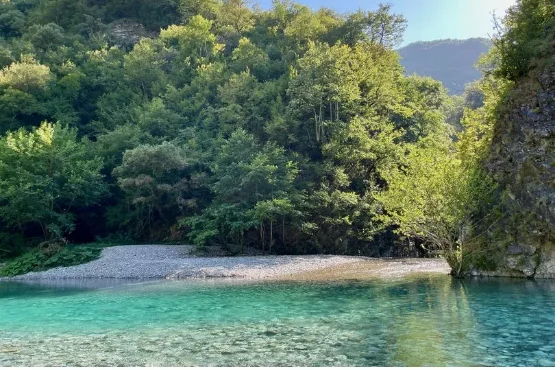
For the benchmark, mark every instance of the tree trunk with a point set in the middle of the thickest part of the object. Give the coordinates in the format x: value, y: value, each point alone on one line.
x: 44, y: 230
x: 262, y: 236
x: 270, y: 245
x: 321, y: 121
x: 337, y: 112
x: 460, y: 261
x: 283, y: 231
x: 316, y: 124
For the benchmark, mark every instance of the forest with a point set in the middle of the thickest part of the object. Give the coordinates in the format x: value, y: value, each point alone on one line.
x: 211, y: 122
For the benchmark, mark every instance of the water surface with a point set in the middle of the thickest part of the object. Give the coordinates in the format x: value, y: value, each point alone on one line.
x: 415, y: 321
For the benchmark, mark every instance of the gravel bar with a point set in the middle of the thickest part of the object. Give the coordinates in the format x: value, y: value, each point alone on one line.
x: 177, y: 262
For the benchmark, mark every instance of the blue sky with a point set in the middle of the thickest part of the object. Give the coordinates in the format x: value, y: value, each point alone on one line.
x: 427, y: 19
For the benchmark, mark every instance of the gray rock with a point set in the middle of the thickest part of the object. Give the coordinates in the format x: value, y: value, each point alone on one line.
x: 521, y: 249
x: 522, y: 161
x: 546, y: 268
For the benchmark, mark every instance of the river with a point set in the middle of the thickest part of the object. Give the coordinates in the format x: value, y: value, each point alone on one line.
x: 427, y: 320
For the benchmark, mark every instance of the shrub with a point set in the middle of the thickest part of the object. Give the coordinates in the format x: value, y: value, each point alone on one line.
x: 50, y: 256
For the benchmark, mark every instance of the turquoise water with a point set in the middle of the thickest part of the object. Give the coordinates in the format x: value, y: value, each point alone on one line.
x: 422, y: 321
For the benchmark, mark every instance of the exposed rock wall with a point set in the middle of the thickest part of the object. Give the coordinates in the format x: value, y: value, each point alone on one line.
x: 522, y: 162
x: 127, y: 32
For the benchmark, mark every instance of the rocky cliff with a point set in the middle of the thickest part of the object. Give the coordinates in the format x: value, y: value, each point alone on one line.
x: 522, y: 162
x: 126, y: 32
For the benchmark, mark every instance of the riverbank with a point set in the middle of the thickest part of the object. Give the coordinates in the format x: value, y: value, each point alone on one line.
x: 178, y: 262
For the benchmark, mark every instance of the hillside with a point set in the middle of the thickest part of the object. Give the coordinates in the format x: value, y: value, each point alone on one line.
x: 215, y: 131
x: 192, y: 122
x: 450, y: 61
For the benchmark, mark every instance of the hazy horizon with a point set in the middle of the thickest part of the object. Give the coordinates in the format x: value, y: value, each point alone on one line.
x: 428, y: 20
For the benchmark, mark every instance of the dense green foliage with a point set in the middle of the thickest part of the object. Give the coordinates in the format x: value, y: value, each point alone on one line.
x: 40, y: 259
x: 205, y: 121
x: 44, y: 174
x: 444, y: 196
x: 525, y: 38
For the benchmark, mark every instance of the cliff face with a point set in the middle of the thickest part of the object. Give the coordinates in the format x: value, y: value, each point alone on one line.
x: 522, y: 162
x: 126, y: 32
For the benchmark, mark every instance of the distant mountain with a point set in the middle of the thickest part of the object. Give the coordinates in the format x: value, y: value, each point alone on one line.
x: 450, y: 61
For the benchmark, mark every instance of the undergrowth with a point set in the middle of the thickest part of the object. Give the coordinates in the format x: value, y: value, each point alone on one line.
x: 40, y: 259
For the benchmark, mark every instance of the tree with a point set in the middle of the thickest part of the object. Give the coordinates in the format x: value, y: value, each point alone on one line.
x: 206, y: 8
x: 194, y: 41
x: 363, y: 148
x: 157, y: 120
x: 384, y: 28
x: 251, y: 185
x: 157, y: 182
x: 6, y: 57
x: 44, y: 175
x: 453, y: 109
x: 270, y: 211
x: 14, y: 102
x: 373, y: 27
x: 420, y: 111
x: 112, y: 145
x: 246, y: 174
x: 46, y: 37
x: 237, y: 106
x: 332, y: 217
x: 235, y: 125
x: 12, y: 23
x: 474, y: 95
x: 455, y: 105
x: 248, y: 57
x: 436, y: 196
x: 234, y: 17
x: 145, y: 56
x: 27, y: 75
x: 64, y: 13
x: 525, y: 37
x: 324, y: 88
x: 308, y: 26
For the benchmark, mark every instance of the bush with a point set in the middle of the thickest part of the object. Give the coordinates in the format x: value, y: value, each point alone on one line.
x: 45, y: 174
x: 40, y: 259
x: 12, y: 244
x: 525, y: 38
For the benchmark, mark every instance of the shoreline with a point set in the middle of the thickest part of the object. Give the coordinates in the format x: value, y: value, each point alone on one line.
x: 177, y: 262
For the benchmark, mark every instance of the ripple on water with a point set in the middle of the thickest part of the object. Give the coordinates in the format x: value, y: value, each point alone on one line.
x: 435, y: 321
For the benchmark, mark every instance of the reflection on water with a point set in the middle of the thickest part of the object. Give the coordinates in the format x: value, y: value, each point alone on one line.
x: 435, y: 320
x: 21, y: 288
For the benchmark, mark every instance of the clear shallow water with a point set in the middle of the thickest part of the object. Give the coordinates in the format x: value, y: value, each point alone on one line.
x: 421, y: 321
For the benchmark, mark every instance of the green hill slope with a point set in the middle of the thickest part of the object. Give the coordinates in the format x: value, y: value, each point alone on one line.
x: 450, y: 61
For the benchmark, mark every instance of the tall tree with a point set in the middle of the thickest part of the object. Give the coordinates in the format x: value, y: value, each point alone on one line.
x: 44, y: 175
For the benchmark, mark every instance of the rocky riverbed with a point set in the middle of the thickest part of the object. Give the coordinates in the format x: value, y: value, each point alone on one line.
x: 178, y: 262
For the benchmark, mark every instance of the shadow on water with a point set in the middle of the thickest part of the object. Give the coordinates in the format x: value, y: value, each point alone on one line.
x: 57, y: 287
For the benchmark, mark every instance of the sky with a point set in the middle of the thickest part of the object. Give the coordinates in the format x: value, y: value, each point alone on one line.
x: 427, y: 19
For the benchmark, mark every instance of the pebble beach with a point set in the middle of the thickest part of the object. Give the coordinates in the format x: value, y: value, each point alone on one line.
x: 178, y: 262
